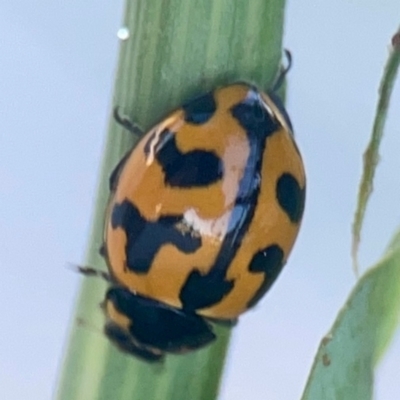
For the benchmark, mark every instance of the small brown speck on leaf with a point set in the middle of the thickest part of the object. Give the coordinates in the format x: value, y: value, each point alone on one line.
x: 326, y: 360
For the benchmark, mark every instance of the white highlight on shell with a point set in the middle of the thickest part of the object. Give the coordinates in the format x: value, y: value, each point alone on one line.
x: 215, y: 228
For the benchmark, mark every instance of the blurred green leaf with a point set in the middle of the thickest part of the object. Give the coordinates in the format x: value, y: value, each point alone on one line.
x: 344, y: 365
x: 371, y: 154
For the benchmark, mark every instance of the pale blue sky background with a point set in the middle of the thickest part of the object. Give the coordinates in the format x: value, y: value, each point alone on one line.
x: 56, y: 76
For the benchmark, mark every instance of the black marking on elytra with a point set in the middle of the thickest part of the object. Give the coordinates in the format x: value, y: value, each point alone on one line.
x: 113, y: 180
x: 145, y: 238
x: 253, y: 115
x: 200, y: 109
x: 157, y: 325
x: 200, y: 291
x: 270, y: 262
x: 192, y: 169
x: 291, y: 196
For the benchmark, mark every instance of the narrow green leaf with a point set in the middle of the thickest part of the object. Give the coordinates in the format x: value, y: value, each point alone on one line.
x: 171, y: 50
x: 371, y: 154
x: 344, y: 365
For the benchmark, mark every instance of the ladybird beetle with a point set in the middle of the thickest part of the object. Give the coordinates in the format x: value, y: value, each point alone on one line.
x: 202, y: 215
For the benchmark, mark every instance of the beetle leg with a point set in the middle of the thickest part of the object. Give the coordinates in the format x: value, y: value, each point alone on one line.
x: 92, y: 272
x: 127, y: 123
x: 283, y: 70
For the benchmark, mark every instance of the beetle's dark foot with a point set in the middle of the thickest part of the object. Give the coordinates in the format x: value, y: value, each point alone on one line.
x: 283, y: 70
x: 127, y: 123
x: 92, y: 272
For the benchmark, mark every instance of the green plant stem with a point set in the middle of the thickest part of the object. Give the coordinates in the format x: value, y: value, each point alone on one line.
x: 175, y: 49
